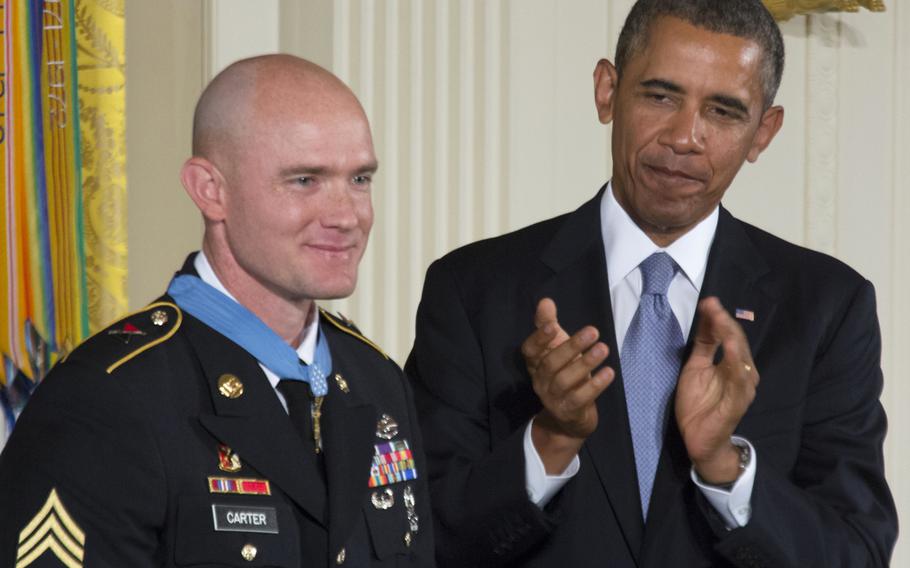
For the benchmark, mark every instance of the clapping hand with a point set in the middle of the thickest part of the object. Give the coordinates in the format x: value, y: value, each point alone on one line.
x: 561, y: 371
x: 712, y: 399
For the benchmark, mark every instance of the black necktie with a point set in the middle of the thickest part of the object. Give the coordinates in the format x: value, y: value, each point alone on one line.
x: 305, y: 413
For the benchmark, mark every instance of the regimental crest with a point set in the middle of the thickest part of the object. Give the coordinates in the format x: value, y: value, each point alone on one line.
x: 52, y: 530
x: 228, y: 460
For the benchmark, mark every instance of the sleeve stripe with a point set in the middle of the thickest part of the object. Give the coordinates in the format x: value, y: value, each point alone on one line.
x: 51, y: 529
x: 49, y: 543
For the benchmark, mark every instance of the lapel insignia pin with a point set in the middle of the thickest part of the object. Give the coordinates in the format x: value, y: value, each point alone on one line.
x: 159, y: 317
x: 342, y: 384
x: 383, y: 500
x: 126, y: 332
x: 228, y: 460
x: 386, y: 428
x: 747, y: 315
x: 230, y: 386
x: 239, y: 486
x: 392, y: 462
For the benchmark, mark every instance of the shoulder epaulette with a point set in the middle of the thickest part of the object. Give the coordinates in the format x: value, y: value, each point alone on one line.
x: 347, y: 326
x: 142, y: 330
x: 135, y: 333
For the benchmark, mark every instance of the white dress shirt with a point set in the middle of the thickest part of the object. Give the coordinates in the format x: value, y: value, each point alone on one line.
x: 307, y: 348
x: 626, y: 246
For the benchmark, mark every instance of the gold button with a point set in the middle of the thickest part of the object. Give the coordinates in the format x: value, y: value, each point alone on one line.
x: 408, y: 538
x: 159, y: 317
x: 230, y: 386
x: 248, y: 552
x: 341, y: 556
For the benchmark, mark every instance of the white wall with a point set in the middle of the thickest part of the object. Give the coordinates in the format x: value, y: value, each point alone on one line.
x: 483, y: 119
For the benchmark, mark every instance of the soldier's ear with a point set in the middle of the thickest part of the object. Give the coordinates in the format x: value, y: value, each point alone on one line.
x: 205, y: 186
x: 606, y: 81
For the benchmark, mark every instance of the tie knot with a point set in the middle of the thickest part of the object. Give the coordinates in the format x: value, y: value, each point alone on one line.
x: 293, y: 387
x: 656, y: 273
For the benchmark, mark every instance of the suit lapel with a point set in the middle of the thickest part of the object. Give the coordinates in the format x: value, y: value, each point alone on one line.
x: 349, y: 434
x: 733, y: 274
x: 581, y: 291
x: 255, y: 425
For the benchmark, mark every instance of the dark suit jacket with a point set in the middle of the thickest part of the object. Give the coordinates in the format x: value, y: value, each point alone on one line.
x: 130, y: 451
x: 819, y: 499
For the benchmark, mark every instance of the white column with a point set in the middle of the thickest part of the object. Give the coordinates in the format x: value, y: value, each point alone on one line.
x: 238, y: 29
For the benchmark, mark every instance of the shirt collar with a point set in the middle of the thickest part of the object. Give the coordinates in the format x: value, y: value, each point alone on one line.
x: 307, y: 348
x: 626, y: 245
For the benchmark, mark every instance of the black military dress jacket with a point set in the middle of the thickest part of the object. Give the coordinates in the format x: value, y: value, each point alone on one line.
x: 159, y: 442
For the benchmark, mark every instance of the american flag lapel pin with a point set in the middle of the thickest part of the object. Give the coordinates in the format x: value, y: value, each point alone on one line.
x: 747, y: 315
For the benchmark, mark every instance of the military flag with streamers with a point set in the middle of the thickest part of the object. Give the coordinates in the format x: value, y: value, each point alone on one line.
x: 44, y: 286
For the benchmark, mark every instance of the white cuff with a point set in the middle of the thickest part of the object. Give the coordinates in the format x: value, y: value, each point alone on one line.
x: 733, y: 505
x: 542, y: 487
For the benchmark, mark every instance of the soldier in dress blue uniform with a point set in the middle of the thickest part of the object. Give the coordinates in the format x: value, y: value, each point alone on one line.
x: 232, y: 422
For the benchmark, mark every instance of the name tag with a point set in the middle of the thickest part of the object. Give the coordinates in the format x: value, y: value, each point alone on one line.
x: 245, y: 519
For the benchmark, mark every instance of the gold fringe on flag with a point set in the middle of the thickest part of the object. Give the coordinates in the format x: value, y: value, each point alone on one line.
x: 101, y: 63
x: 786, y: 9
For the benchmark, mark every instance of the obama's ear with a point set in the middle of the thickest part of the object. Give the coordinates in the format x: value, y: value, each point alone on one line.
x: 771, y: 122
x: 606, y: 81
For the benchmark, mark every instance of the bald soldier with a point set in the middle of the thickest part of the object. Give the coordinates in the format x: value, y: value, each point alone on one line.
x: 231, y: 421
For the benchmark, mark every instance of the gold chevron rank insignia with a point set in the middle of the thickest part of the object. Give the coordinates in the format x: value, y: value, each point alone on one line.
x: 51, y: 529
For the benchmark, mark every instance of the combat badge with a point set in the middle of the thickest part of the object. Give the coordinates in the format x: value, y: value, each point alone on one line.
x: 228, y: 460
x: 51, y: 529
x: 386, y: 428
x: 393, y: 462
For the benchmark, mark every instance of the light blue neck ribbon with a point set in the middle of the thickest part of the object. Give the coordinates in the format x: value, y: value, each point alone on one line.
x: 241, y: 326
